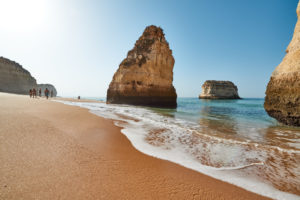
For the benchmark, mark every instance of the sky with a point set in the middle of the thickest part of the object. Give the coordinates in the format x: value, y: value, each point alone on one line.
x: 77, y: 45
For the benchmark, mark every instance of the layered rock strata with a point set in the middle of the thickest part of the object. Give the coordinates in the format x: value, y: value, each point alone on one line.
x: 14, y: 78
x: 282, y: 100
x: 219, y: 90
x: 145, y: 76
x: 49, y: 87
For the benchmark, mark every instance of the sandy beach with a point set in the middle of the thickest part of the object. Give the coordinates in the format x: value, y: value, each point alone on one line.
x: 49, y: 150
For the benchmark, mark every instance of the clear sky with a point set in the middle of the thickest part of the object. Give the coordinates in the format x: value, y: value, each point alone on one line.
x: 77, y: 45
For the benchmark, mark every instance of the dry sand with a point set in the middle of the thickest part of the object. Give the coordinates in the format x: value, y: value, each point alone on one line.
x: 53, y: 151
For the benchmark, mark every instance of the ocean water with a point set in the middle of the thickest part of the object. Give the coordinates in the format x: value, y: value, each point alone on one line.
x: 231, y: 140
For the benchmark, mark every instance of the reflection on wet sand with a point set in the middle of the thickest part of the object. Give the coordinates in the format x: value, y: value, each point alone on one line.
x: 215, y: 122
x: 269, y: 153
x: 233, y: 140
x: 282, y: 136
x: 280, y: 167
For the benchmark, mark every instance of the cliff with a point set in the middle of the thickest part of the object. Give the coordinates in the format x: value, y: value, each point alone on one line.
x: 282, y: 100
x: 145, y: 76
x: 50, y: 88
x: 14, y: 78
x: 219, y: 90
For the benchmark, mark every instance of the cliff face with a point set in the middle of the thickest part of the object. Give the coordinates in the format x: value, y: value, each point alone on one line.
x: 145, y: 76
x: 219, y: 90
x: 14, y: 78
x: 283, y: 91
x: 50, y: 88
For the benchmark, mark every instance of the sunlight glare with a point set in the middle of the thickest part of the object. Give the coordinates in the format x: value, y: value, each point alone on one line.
x: 21, y: 15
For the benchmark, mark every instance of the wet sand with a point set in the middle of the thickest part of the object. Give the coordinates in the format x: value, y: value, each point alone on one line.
x: 49, y: 150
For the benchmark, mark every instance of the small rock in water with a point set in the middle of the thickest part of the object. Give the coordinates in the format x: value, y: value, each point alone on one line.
x: 219, y: 90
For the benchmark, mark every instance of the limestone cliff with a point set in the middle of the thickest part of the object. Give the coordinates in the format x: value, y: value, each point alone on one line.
x: 145, y: 76
x: 283, y: 91
x: 49, y: 87
x: 14, y: 78
x: 219, y: 90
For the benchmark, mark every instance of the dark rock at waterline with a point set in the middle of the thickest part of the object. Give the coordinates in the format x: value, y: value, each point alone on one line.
x: 282, y: 100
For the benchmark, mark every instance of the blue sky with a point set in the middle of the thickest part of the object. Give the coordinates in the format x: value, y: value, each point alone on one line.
x: 77, y: 45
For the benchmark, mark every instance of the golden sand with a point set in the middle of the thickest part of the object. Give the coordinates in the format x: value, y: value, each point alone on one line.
x: 49, y: 150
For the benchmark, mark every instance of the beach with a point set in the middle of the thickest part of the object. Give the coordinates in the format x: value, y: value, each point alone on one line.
x: 49, y: 150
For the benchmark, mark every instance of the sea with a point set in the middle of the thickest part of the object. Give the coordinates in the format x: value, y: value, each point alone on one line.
x: 231, y: 140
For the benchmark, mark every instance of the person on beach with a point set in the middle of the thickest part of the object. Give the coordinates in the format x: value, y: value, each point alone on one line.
x: 46, y: 93
x: 51, y: 93
x: 30, y: 93
x: 40, y: 92
x: 34, y: 93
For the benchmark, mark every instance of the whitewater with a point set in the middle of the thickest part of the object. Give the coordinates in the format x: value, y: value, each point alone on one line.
x: 233, y: 141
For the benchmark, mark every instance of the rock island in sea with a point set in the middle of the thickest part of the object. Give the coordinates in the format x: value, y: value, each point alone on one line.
x: 282, y: 100
x: 212, y: 89
x: 145, y: 76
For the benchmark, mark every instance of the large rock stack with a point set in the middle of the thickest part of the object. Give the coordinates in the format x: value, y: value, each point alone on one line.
x: 283, y: 91
x: 219, y: 90
x: 145, y: 76
x: 14, y: 78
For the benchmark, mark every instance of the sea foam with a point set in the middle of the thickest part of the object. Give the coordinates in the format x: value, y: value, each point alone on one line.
x: 182, y: 142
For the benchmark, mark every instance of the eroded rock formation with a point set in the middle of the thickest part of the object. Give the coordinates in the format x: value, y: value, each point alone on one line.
x: 283, y: 91
x: 145, y: 76
x: 219, y: 90
x: 14, y: 78
x: 49, y: 87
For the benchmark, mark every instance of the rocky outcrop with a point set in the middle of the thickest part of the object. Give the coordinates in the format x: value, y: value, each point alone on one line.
x: 14, y: 78
x: 219, y: 90
x: 49, y: 87
x: 283, y: 91
x: 145, y: 76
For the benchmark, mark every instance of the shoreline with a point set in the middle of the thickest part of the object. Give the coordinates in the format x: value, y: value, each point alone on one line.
x: 147, y: 135
x: 50, y: 150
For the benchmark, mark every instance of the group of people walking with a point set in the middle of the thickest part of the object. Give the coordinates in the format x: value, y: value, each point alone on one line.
x: 33, y: 93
